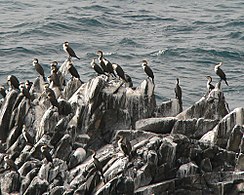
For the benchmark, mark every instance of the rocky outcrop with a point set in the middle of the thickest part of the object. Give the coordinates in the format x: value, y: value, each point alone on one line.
x: 76, y: 148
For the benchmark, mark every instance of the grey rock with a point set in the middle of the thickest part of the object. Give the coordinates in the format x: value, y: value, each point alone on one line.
x: 10, y: 182
x: 206, y: 165
x: 37, y: 186
x: 169, y: 108
x: 156, y: 125
x: 64, y: 148
x: 187, y: 170
x: 234, y: 141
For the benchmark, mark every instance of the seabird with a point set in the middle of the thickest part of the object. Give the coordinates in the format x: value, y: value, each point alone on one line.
x: 128, y: 80
x: 28, y: 84
x: 148, y: 70
x: 25, y: 92
x: 69, y: 50
x: 28, y: 138
x: 178, y: 91
x: 46, y: 153
x: 96, y: 67
x: 55, y: 79
x: 119, y: 71
x: 97, y: 164
x: 220, y: 72
x: 10, y: 163
x: 2, y: 91
x: 39, y: 68
x: 105, y: 64
x: 53, y: 100
x: 125, y: 146
x: 13, y: 81
x: 73, y: 71
x: 210, y: 87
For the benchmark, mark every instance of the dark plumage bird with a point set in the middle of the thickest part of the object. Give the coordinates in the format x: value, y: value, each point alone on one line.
x: 125, y: 146
x: 13, y: 81
x: 220, y: 72
x: 46, y: 153
x: 147, y: 70
x: 54, y: 78
x: 73, y: 71
x: 28, y: 138
x: 178, y: 93
x: 25, y: 92
x: 128, y: 80
x: 2, y: 91
x: 28, y: 84
x: 69, y: 50
x: 96, y: 67
x: 53, y: 100
x: 119, y: 71
x: 105, y: 64
x: 97, y: 164
x: 10, y: 163
x: 39, y: 68
x: 210, y: 87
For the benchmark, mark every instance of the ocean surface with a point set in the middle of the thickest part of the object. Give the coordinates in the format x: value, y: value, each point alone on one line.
x: 183, y: 39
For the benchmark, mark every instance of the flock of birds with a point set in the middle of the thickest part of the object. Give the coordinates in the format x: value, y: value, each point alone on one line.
x: 104, y: 67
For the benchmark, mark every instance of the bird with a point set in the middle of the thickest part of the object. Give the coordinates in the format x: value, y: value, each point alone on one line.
x: 73, y: 71
x: 220, y: 72
x: 128, y: 80
x: 54, y: 66
x: 28, y: 84
x: 39, y: 68
x: 96, y: 67
x: 25, y: 92
x: 28, y: 138
x: 178, y: 91
x: 53, y: 100
x: 97, y: 164
x: 54, y: 78
x: 2, y: 91
x: 13, y: 81
x: 119, y: 71
x: 148, y: 70
x: 10, y: 163
x: 105, y: 64
x: 125, y: 146
x: 69, y: 50
x: 210, y: 87
x: 45, y: 152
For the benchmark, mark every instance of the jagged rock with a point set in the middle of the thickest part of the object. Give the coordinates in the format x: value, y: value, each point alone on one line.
x: 28, y: 166
x: 27, y: 179
x: 57, y: 190
x: 156, y: 125
x: 169, y: 108
x: 37, y: 186
x: 64, y: 148
x: 144, y: 176
x: 6, y: 112
x: 220, y: 134
x: 187, y: 170
x: 206, y: 165
x: 10, y: 182
x: 213, y: 107
x: 77, y: 157
x: 234, y: 141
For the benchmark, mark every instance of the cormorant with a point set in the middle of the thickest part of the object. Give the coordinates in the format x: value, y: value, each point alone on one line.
x: 73, y: 71
x: 220, y: 72
x: 125, y: 146
x: 119, y: 71
x: 28, y: 138
x: 46, y: 153
x: 96, y: 67
x: 97, y: 164
x: 10, y: 163
x: 210, y: 87
x: 2, y: 91
x: 13, y: 81
x: 105, y: 64
x: 39, y: 68
x: 178, y: 92
x: 69, y: 50
x: 148, y: 70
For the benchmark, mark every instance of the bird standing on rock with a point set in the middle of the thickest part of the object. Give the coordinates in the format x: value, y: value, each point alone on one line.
x: 96, y: 67
x: 178, y: 93
x: 148, y: 70
x: 125, y: 146
x: 105, y: 64
x: 46, y: 153
x: 69, y: 50
x: 220, y: 72
x: 210, y: 87
x: 97, y: 164
x: 73, y: 71
x: 119, y: 71
x: 13, y: 81
x: 39, y: 68
x: 10, y: 163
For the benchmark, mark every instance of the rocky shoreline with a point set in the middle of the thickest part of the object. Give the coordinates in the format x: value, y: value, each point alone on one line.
x: 50, y: 150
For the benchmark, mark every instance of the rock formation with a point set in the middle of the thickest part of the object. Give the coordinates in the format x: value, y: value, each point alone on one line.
x: 197, y: 151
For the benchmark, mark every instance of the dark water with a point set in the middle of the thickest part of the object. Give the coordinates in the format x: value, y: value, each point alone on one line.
x: 179, y: 39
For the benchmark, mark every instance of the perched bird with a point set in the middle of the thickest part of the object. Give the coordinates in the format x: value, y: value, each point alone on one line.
x: 25, y: 92
x: 13, y: 81
x: 10, y: 163
x: 96, y: 67
x: 128, y: 80
x: 119, y: 71
x: 97, y: 164
x: 45, y: 152
x: 147, y: 70
x: 105, y: 64
x: 54, y: 66
x: 69, y: 50
x: 178, y: 91
x: 73, y: 71
x: 28, y: 84
x: 28, y: 138
x: 125, y: 146
x: 39, y: 68
x: 210, y: 87
x: 220, y: 72
x: 53, y: 100
x: 54, y: 79
x: 2, y: 91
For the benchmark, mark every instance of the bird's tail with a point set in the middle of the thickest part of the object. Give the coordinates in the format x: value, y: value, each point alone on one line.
x: 77, y: 57
x: 226, y: 82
